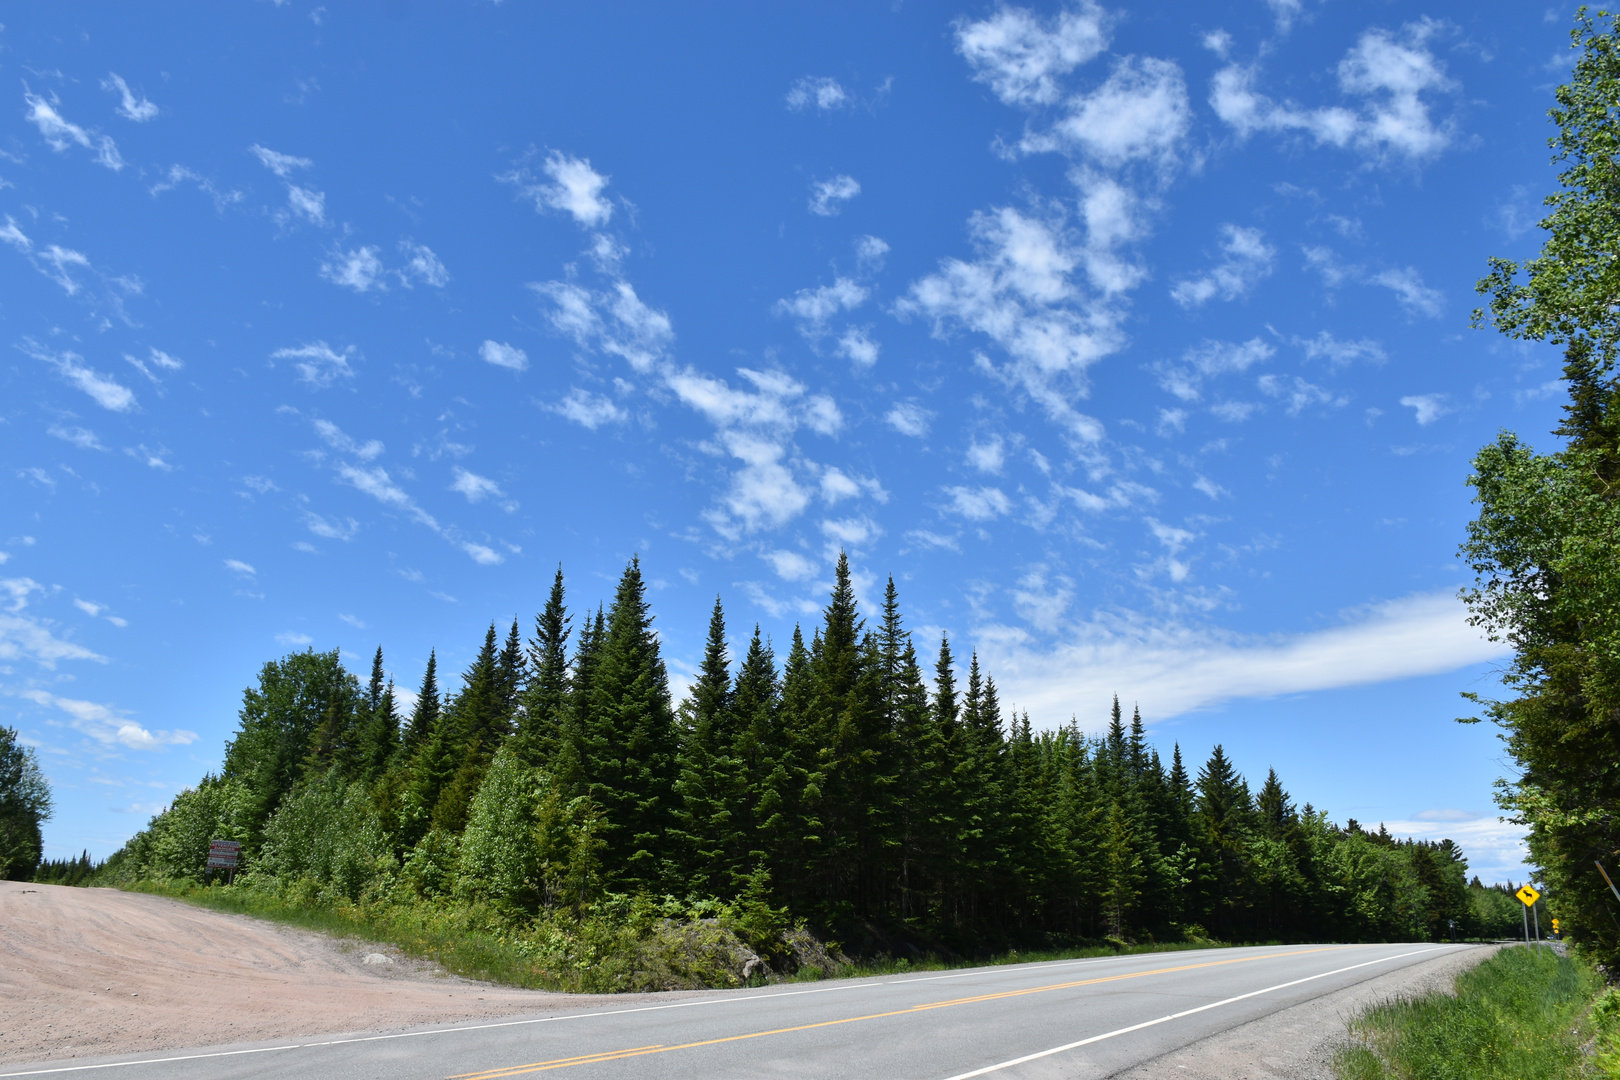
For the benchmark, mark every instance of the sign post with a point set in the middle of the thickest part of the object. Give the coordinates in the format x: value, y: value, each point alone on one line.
x: 224, y: 855
x: 1528, y: 896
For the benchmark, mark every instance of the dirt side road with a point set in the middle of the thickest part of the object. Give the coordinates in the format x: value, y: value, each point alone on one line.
x: 86, y: 972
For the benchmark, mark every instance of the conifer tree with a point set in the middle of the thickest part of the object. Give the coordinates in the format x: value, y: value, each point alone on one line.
x: 546, y: 699
x: 629, y: 744
x: 426, y: 713
x: 711, y: 790
x: 381, y: 738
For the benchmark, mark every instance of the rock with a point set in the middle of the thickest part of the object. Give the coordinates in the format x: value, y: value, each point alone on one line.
x: 375, y: 958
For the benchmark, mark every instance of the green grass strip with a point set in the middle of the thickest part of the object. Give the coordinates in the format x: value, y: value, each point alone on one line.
x: 1521, y: 1015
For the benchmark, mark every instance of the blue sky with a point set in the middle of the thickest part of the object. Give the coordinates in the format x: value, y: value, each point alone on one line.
x: 1133, y: 343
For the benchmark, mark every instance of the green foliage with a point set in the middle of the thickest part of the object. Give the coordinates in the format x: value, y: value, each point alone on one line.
x: 499, y: 859
x: 326, y: 833
x: 1542, y: 547
x: 25, y: 803
x: 558, y: 813
x: 80, y: 871
x: 1519, y: 1014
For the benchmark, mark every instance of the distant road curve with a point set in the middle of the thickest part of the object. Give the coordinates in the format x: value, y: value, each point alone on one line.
x: 1080, y: 1018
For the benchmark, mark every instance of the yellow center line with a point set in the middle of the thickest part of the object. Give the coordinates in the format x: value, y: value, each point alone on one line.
x: 613, y: 1055
x: 583, y: 1059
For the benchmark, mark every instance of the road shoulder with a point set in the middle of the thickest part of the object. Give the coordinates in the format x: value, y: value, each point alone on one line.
x: 1299, y: 1043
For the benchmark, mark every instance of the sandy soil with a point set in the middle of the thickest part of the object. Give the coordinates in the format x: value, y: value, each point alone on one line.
x: 87, y: 972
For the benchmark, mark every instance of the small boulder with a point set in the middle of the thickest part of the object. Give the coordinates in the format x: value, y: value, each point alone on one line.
x: 376, y: 958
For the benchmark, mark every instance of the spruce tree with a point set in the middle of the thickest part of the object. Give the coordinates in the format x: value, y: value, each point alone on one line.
x: 711, y: 790
x: 546, y: 699
x: 426, y: 713
x: 629, y: 744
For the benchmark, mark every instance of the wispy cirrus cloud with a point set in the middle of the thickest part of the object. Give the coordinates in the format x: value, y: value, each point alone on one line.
x: 106, y: 725
x: 104, y: 390
x: 820, y: 92
x: 131, y: 106
x: 59, y: 133
x: 318, y: 364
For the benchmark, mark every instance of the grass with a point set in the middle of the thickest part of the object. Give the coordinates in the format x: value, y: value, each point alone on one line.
x: 1521, y: 1015
x: 458, y: 947
x: 590, y: 957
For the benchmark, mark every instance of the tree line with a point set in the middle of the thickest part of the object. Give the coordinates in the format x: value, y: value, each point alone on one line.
x: 845, y: 784
x: 1544, y: 545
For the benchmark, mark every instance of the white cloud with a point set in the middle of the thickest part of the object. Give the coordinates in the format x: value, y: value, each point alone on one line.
x: 1284, y: 12
x: 307, y: 203
x: 869, y: 252
x: 1019, y: 294
x: 909, y: 419
x: 813, y: 307
x: 60, y: 258
x: 106, y: 726
x: 353, y: 621
x: 1041, y: 600
x: 857, y: 346
x: 295, y: 640
x: 988, y: 457
x: 482, y: 555
x: 503, y: 355
x: 328, y: 529
x: 826, y: 195
x: 1416, y: 297
x: 1020, y: 56
x: 616, y: 321
x: 153, y: 459
x: 103, y: 389
x: 421, y: 265
x: 318, y: 364
x: 823, y: 92
x: 343, y: 444
x: 15, y: 237
x: 476, y: 488
x: 1172, y: 669
x: 978, y: 504
x: 237, y: 566
x: 927, y: 539
x: 1299, y: 394
x: 1338, y: 354
x: 1247, y: 258
x: 376, y: 482
x: 360, y: 269
x: 575, y: 188
x: 1389, y: 74
x: 837, y: 485
x: 22, y: 635
x: 790, y: 565
x: 1209, y: 360
x: 754, y: 427
x: 1427, y: 407
x: 280, y: 164
x: 850, y: 532
x: 78, y: 436
x: 1140, y: 113
x: 588, y: 409
x: 133, y: 106
x: 1233, y: 412
x: 59, y: 133
x: 1496, y: 849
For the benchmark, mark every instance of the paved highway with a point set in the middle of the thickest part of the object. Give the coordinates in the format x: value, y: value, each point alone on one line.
x: 1072, y: 1018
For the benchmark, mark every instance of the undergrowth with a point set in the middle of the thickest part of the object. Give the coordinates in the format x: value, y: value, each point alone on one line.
x: 1523, y: 1014
x: 634, y: 944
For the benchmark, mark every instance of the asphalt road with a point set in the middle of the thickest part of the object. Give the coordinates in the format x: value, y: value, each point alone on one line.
x: 1071, y: 1018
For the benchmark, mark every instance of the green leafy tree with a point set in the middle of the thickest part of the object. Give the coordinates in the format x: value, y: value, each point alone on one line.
x: 1543, y: 545
x: 25, y: 804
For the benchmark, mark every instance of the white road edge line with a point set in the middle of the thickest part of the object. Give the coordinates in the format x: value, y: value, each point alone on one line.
x: 577, y: 1016
x: 1185, y: 1012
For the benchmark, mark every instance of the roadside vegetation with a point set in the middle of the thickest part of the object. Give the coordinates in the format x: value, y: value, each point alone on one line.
x: 1522, y: 1014
x: 559, y: 821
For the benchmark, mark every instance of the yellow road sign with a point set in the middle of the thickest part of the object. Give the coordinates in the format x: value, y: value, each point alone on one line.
x: 1527, y: 895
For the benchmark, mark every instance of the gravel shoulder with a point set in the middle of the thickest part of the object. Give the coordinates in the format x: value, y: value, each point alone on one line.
x: 1299, y: 1043
x: 92, y: 972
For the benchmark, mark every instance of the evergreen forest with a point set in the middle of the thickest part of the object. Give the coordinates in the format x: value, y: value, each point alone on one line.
x: 847, y: 789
